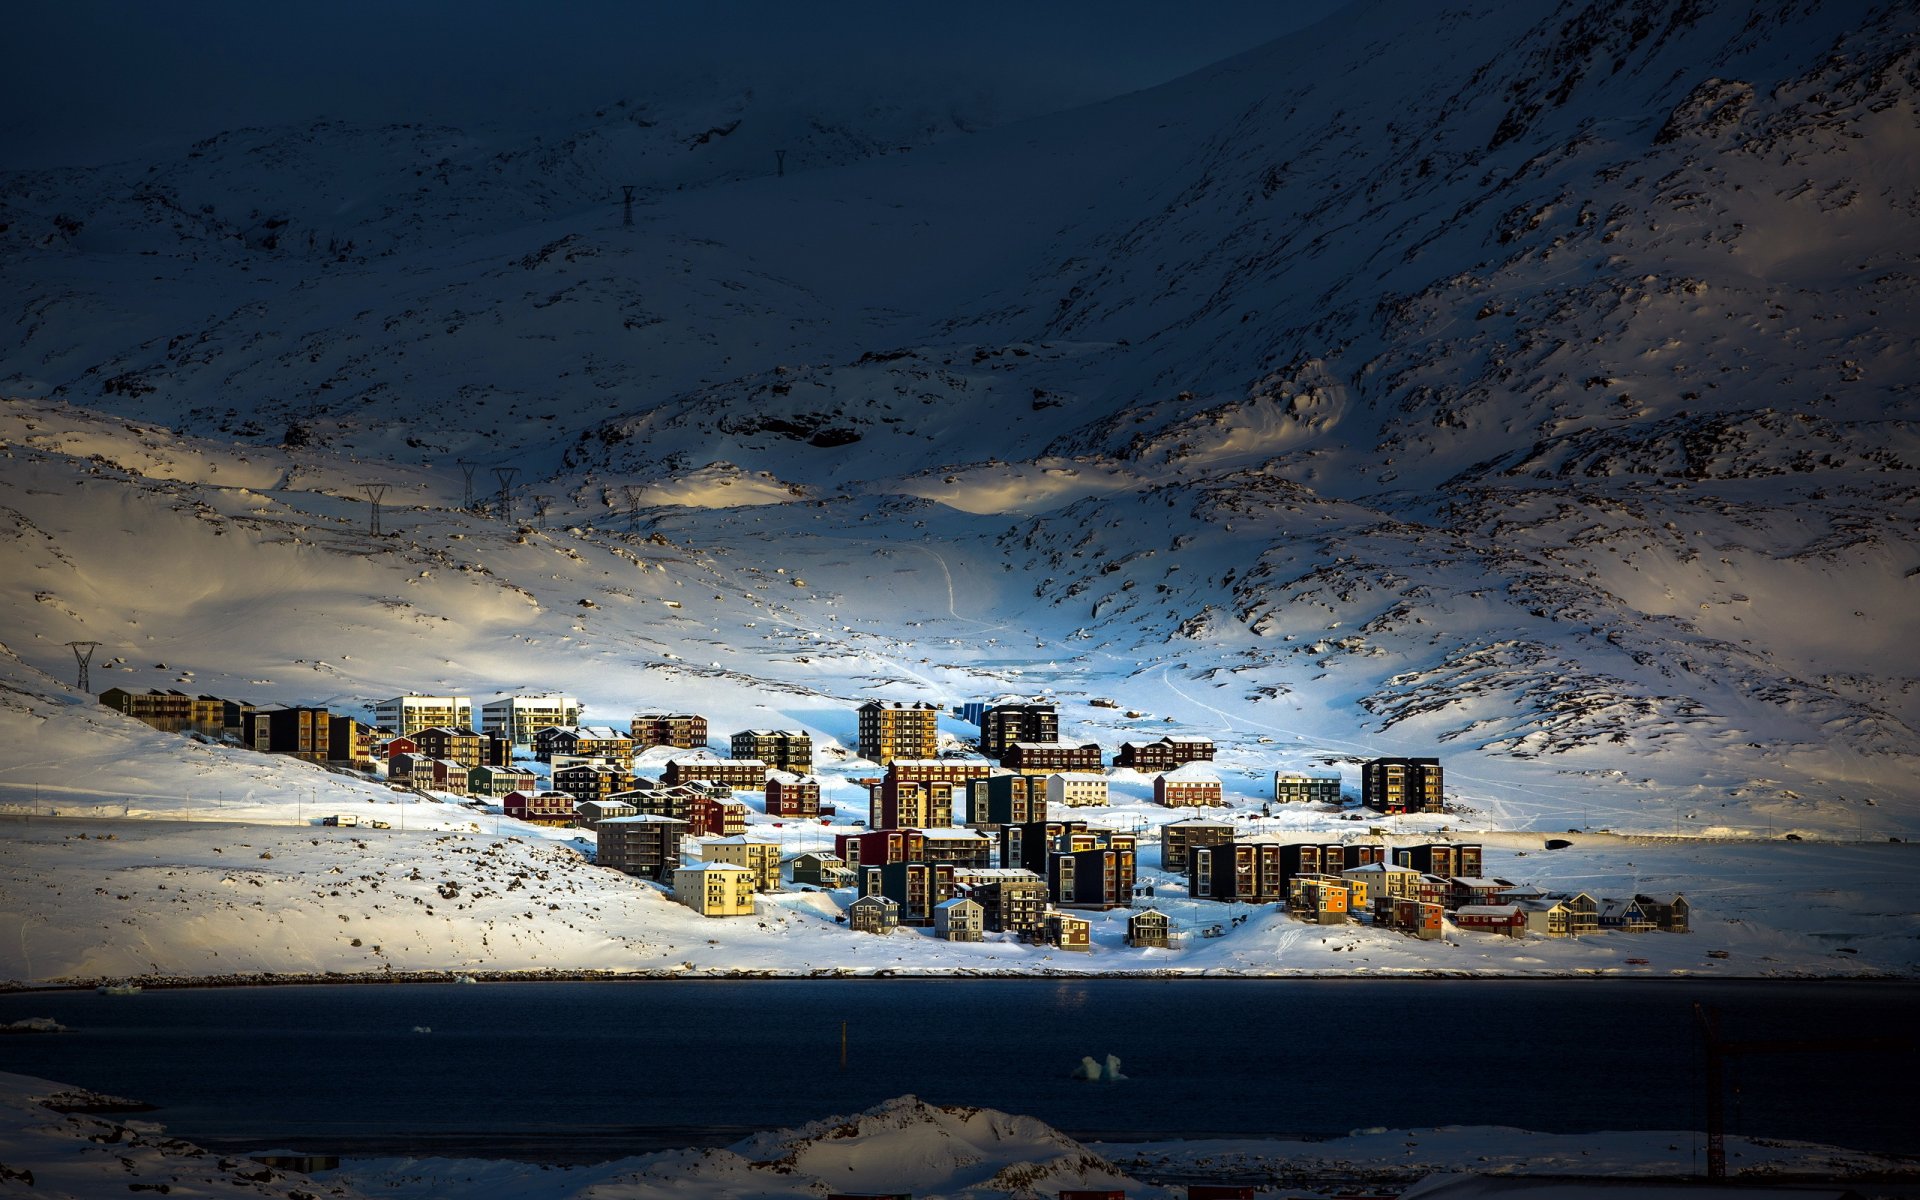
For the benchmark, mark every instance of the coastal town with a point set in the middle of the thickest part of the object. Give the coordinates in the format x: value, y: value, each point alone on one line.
x: 1011, y: 834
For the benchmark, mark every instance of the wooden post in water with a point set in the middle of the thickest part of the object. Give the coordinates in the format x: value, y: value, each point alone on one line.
x: 843, y: 1045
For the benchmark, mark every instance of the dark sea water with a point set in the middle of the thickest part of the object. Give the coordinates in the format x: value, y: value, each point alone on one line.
x: 584, y: 1071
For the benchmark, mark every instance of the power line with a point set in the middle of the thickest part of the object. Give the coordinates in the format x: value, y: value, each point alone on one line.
x: 83, y: 654
x: 375, y: 492
x: 506, y: 477
x: 469, y: 468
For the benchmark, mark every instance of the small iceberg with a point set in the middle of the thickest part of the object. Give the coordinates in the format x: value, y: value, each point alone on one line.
x: 34, y: 1025
x: 1099, y: 1072
x: 423, y: 1029
x: 464, y: 979
x: 120, y: 989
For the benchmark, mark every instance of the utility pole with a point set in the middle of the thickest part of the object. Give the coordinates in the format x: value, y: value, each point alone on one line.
x: 506, y: 477
x: 375, y: 493
x: 1719, y: 1050
x: 469, y: 468
x: 627, y: 188
x: 83, y: 654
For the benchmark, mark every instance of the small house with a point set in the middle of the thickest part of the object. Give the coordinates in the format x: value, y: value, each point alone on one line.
x: 959, y: 920
x: 758, y: 855
x: 1076, y: 789
x: 1669, y: 916
x: 823, y: 869
x: 539, y: 807
x: 1188, y: 786
x: 874, y: 914
x: 1150, y: 927
x: 1492, y: 918
x: 1064, y: 931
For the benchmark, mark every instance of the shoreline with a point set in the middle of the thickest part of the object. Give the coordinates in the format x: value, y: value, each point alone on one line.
x: 842, y: 974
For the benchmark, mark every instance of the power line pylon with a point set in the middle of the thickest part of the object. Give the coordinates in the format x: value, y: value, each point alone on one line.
x: 506, y: 477
x: 468, y: 468
x: 83, y: 654
x: 627, y: 188
x: 375, y: 493
x: 541, y: 506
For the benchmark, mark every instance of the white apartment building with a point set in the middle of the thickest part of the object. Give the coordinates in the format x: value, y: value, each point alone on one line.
x: 520, y: 717
x: 1076, y: 789
x: 408, y: 715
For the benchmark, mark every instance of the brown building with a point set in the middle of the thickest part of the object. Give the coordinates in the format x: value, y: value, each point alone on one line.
x: 685, y: 730
x: 959, y: 770
x: 1163, y: 755
x: 997, y: 800
x: 464, y: 746
x: 790, y: 795
x: 896, y: 804
x: 643, y: 845
x: 1150, y: 927
x: 1249, y: 872
x: 891, y: 729
x: 582, y: 741
x: 1048, y: 758
x: 170, y: 711
x: 1178, y: 839
x: 781, y: 749
x: 1402, y: 785
x: 1064, y: 931
x: 1188, y: 786
x: 918, y: 886
x: 350, y: 742
x: 541, y: 808
x: 746, y: 774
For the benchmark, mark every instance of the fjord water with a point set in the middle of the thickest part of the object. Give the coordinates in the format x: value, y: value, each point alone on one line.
x: 586, y: 1071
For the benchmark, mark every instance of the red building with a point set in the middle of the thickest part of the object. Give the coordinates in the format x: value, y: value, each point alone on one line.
x: 1492, y: 918
x: 881, y: 846
x: 542, y: 808
x: 710, y: 816
x: 790, y: 795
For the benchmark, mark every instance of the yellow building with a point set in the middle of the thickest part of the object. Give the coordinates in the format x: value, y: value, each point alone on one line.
x: 755, y: 854
x: 715, y: 889
x: 890, y: 729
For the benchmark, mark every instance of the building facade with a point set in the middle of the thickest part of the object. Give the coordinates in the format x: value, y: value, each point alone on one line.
x: 1402, y: 785
x: 685, y: 730
x: 755, y: 854
x: 170, y: 711
x: 644, y: 845
x: 959, y: 920
x: 1001, y: 725
x: 1165, y: 754
x: 715, y: 889
x: 408, y: 715
x: 891, y: 729
x: 790, y: 795
x: 996, y: 800
x: 519, y: 718
x: 1188, y: 786
x: 1075, y: 789
x: 1307, y: 787
x: 1012, y: 900
x: 788, y: 750
x: 1179, y: 838
x: 1048, y: 758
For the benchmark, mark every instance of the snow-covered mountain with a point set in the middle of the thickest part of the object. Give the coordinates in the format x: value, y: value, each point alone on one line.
x: 1533, y: 385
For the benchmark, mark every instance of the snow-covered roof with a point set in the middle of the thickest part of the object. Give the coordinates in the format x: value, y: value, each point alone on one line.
x: 789, y: 779
x: 1480, y: 881
x: 1487, y: 910
x: 602, y: 733
x: 1330, y: 775
x: 738, y: 839
x: 956, y: 901
x: 710, y: 866
x: 958, y: 760
x: 1380, y: 868
x: 1209, y: 822
x: 1056, y: 745
x: 1190, y: 773
x: 996, y: 875
x: 1077, y: 777
x: 643, y: 819
x: 876, y: 898
x: 953, y: 833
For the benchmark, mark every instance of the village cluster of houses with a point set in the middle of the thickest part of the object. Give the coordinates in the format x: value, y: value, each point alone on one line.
x: 962, y: 845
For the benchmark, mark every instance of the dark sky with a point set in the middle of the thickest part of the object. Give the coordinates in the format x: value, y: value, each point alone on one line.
x: 95, y: 80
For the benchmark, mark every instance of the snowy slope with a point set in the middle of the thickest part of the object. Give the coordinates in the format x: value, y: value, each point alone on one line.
x: 1531, y: 387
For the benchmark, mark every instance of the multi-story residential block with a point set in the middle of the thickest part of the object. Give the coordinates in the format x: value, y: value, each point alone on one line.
x: 879, y: 846
x: 351, y: 742
x: 918, y: 886
x: 715, y: 889
x: 1150, y: 928
x: 410, y: 714
x: 822, y: 869
x: 519, y: 718
x: 1164, y: 755
x: 496, y: 782
x: 305, y: 733
x: 960, y: 769
x: 959, y: 920
x: 462, y: 745
x: 1385, y: 882
x: 1307, y: 787
x: 643, y: 844
x: 1001, y: 725
x: 1478, y: 890
x: 656, y: 801
x: 897, y: 804
x: 1027, y: 845
x: 1671, y: 915
x: 710, y: 815
x: 759, y: 855
x: 961, y: 847
x: 1249, y: 872
x: 170, y: 711
x: 1013, y: 900
x: 1064, y: 931
x: 1075, y: 789
x: 744, y: 774
x: 996, y: 800
x: 788, y: 750
x: 891, y: 729
x: 1178, y: 839
x: 1442, y: 858
x: 1329, y: 858
x: 874, y: 913
x: 1047, y: 758
x: 685, y: 730
x: 1402, y: 785
x: 790, y: 795
x: 591, y: 781
x: 582, y: 741
x: 1092, y: 877
x: 387, y: 748
x: 1190, y: 786
x: 538, y: 807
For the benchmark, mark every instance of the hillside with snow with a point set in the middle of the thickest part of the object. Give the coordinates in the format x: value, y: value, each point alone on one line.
x: 1529, y: 386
